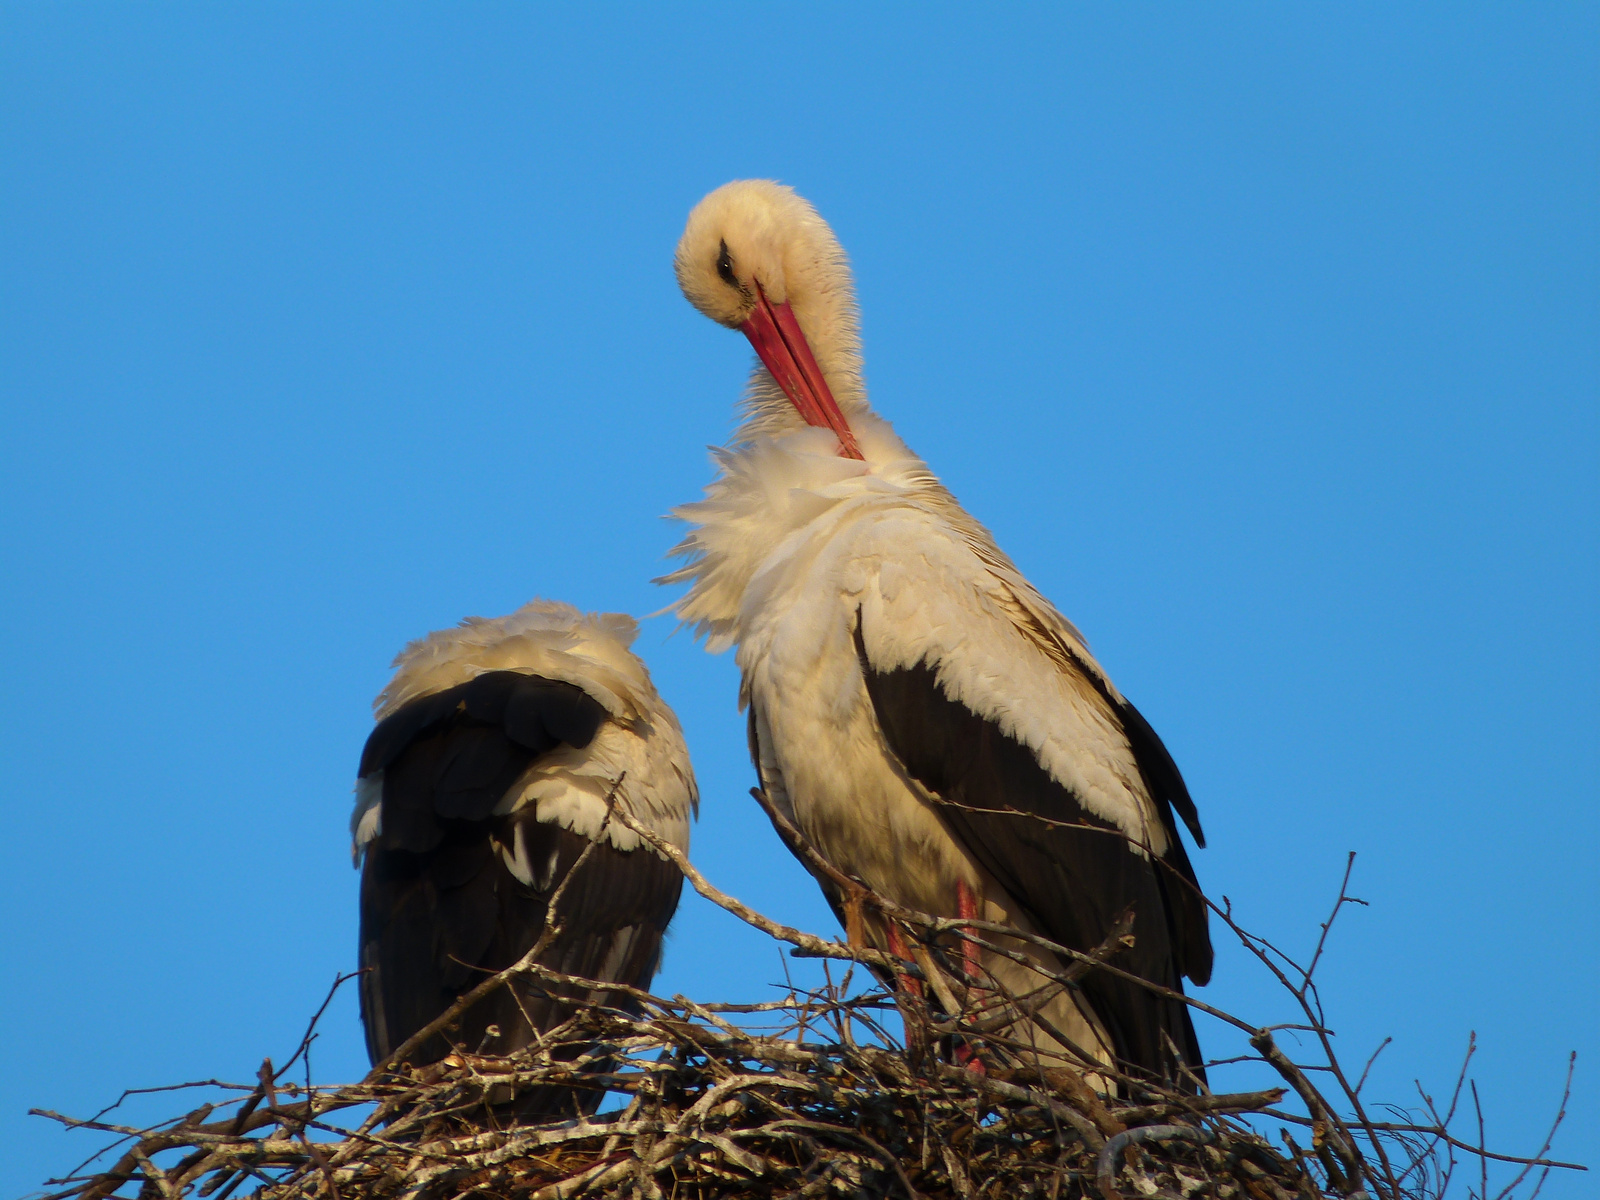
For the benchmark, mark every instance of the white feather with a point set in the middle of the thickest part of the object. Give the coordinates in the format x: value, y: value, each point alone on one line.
x: 639, y: 753
x: 796, y: 547
x: 794, y: 541
x: 366, y: 822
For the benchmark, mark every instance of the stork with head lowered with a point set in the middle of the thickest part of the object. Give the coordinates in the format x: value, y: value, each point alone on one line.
x: 917, y: 709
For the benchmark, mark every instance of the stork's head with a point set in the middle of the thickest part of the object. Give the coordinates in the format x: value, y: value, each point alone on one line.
x: 757, y: 258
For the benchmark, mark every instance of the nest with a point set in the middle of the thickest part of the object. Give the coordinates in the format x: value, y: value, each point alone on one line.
x: 808, y: 1107
x: 812, y: 1095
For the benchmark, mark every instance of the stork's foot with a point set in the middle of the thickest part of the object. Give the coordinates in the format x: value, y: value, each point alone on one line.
x: 966, y: 1055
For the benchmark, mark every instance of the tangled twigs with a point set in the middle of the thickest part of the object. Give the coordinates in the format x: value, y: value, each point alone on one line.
x: 723, y: 1110
x: 817, y: 1101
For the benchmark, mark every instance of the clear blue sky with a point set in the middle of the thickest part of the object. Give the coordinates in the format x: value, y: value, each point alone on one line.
x: 1265, y: 339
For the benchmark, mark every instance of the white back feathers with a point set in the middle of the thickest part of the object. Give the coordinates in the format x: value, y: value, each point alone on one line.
x: 544, y: 637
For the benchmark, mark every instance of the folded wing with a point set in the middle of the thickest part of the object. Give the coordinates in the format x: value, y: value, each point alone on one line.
x: 456, y: 882
x: 1069, y: 865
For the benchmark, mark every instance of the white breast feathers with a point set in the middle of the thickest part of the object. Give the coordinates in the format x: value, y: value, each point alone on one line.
x: 795, y: 545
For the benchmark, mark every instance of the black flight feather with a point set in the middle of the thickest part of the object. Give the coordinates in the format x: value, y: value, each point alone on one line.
x: 1072, y: 871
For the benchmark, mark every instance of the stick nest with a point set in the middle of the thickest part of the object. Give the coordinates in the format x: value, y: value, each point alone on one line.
x: 807, y: 1107
x: 811, y: 1096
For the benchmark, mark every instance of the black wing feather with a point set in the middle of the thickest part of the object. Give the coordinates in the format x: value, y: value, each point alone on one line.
x: 397, y: 731
x: 1074, y: 872
x: 542, y: 711
x: 439, y: 908
x: 1161, y: 774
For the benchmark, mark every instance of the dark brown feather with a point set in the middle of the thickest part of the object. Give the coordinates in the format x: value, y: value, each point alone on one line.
x: 440, y: 910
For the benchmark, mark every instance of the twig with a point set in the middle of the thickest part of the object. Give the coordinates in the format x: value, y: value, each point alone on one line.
x: 784, y: 933
x: 1105, y: 1167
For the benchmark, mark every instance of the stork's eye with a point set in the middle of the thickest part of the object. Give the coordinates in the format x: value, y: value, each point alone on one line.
x: 725, y: 268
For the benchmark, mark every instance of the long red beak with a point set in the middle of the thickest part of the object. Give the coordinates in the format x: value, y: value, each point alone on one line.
x: 774, y: 332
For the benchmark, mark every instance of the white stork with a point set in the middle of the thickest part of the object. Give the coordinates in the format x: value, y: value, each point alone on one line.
x: 498, y: 748
x: 928, y: 720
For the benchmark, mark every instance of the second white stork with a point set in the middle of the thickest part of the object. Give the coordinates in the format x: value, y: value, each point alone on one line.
x: 924, y: 716
x: 487, y: 786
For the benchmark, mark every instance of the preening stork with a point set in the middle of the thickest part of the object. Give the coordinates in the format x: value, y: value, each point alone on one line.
x: 928, y: 720
x: 498, y: 749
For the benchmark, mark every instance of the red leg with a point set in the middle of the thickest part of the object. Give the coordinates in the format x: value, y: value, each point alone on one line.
x: 898, y: 948
x: 967, y: 909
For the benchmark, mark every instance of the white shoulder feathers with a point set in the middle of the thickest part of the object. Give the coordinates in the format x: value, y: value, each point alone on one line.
x: 641, y: 745
x: 788, y: 518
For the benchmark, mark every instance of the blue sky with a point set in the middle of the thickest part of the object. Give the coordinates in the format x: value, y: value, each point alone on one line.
x: 1264, y: 338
